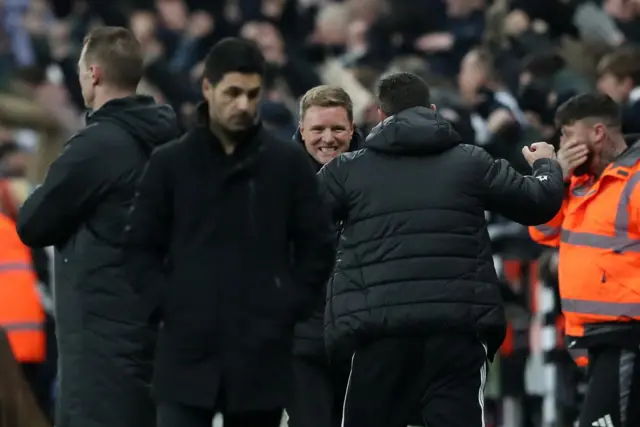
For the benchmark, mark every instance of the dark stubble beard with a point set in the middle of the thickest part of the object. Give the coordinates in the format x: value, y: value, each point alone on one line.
x: 583, y: 169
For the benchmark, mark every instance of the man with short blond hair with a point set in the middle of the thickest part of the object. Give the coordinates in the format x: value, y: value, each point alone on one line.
x: 326, y: 130
x: 104, y: 338
x: 326, y: 122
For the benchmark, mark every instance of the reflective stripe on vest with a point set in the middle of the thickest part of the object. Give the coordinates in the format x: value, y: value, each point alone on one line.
x: 21, y: 313
x: 617, y: 309
x: 620, y: 242
x: 547, y: 230
x: 22, y: 326
x: 13, y: 266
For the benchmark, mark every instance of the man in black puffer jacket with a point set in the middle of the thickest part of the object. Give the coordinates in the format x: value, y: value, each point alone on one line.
x: 326, y: 131
x: 414, y: 294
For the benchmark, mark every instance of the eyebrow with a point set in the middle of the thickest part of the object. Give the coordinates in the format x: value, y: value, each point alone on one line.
x: 241, y: 89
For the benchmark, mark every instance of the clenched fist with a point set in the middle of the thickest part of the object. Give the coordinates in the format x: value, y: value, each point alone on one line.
x: 538, y: 150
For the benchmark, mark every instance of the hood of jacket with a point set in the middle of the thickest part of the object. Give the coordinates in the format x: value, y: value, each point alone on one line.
x: 415, y: 131
x: 356, y: 143
x: 149, y: 123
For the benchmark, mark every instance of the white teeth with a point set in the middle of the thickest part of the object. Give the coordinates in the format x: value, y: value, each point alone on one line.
x: 328, y: 150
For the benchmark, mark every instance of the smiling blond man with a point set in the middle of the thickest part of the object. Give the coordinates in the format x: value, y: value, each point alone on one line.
x: 326, y: 124
x: 326, y: 131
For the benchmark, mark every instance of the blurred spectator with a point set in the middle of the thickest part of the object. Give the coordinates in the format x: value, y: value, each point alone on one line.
x: 619, y: 77
x: 496, y: 117
x: 13, y: 160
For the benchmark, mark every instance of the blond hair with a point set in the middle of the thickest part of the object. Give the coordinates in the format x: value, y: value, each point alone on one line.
x: 326, y: 96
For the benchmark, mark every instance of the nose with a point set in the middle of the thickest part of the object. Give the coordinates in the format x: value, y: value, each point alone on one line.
x: 327, y: 136
x: 242, y: 103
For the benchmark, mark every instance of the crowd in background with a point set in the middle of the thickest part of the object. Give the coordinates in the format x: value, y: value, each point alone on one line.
x: 497, y: 70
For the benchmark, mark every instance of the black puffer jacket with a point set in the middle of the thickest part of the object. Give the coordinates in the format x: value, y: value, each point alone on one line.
x: 309, y: 335
x: 415, y: 256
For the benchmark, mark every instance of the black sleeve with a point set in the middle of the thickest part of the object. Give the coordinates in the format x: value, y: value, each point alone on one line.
x: 311, y: 231
x: 332, y: 190
x: 41, y: 266
x: 147, y: 232
x: 74, y: 185
x: 529, y: 200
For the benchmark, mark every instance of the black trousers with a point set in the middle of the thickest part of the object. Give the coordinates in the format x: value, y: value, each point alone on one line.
x: 613, y: 391
x: 177, y: 415
x: 318, y: 397
x: 441, y: 377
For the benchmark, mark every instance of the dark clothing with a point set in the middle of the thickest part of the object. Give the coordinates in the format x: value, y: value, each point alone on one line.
x: 309, y: 334
x: 613, y: 392
x: 631, y: 116
x: 40, y: 386
x: 393, y: 378
x: 558, y: 15
x: 414, y: 255
x: 318, y: 393
x: 178, y: 415
x: 212, y: 236
x: 319, y: 383
x: 104, y: 339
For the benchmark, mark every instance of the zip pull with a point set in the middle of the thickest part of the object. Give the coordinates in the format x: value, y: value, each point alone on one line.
x: 604, y: 277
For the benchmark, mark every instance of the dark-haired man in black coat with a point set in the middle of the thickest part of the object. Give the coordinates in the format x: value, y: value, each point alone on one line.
x: 228, y: 224
x: 414, y: 295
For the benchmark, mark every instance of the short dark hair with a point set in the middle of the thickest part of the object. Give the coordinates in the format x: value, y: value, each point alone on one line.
x: 400, y: 91
x: 589, y: 106
x: 231, y: 55
x: 118, y: 53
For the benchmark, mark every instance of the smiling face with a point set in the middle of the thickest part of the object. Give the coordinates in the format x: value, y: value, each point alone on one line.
x: 326, y: 132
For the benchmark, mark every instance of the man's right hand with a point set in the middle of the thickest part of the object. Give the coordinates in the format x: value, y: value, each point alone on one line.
x: 570, y: 156
x: 538, y: 150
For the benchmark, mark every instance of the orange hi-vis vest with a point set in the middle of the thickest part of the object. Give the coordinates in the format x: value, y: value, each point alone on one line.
x: 21, y: 313
x: 598, y: 233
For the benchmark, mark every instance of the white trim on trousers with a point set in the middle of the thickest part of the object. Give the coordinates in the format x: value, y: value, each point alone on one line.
x: 483, y: 382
